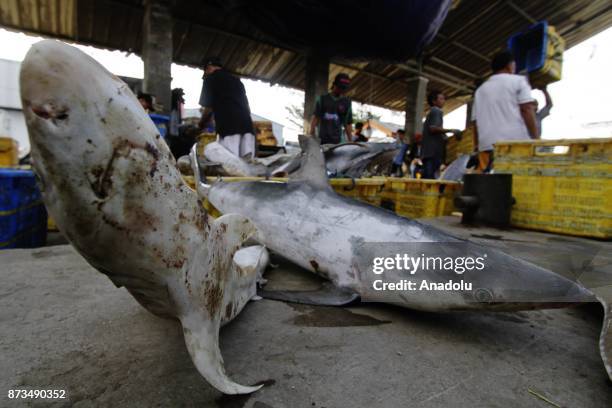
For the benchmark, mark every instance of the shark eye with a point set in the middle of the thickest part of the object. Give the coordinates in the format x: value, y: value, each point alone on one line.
x: 482, y: 295
x: 62, y: 116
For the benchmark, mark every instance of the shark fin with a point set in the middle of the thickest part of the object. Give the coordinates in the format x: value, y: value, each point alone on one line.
x: 312, y: 165
x: 327, y: 295
x: 202, y: 340
x: 248, y: 265
x: 216, y: 291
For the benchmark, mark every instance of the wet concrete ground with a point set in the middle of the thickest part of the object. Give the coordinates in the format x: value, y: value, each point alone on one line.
x: 65, y: 326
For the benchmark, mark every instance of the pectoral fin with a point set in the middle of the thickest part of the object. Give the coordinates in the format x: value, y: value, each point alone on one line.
x: 327, y: 295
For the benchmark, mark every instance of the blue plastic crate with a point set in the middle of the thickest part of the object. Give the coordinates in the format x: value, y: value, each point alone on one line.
x: 162, y: 122
x: 529, y: 48
x: 23, y: 217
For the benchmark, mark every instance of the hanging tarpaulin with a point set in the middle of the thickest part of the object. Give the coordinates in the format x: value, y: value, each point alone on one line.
x: 356, y: 29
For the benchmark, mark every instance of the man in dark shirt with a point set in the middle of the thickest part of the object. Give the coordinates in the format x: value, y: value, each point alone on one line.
x: 359, y: 137
x: 224, y: 96
x: 432, y: 151
x: 333, y: 113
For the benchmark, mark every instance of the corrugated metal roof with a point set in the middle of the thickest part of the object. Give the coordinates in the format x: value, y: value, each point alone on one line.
x: 472, y: 33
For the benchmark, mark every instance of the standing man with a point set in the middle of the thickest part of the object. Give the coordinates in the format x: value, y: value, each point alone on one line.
x: 333, y: 113
x: 502, y: 110
x: 434, y: 139
x: 224, y: 96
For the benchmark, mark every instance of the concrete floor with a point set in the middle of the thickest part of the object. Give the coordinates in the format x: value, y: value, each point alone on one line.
x: 65, y: 326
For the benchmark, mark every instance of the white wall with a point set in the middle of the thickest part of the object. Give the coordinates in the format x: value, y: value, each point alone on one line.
x: 9, y: 84
x: 12, y: 122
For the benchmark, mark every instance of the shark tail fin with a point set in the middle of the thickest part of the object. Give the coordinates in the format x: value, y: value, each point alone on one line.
x: 215, y: 290
x: 312, y: 166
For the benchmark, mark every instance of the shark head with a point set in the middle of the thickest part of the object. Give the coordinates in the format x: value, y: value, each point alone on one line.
x: 512, y: 283
x: 90, y: 137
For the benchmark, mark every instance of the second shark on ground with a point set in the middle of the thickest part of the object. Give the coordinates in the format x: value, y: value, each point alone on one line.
x: 311, y: 225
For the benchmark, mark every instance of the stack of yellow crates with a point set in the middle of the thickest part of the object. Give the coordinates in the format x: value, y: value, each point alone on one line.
x: 561, y: 186
x: 417, y: 198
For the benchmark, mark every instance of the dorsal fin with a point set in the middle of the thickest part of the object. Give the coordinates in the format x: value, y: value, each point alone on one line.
x: 312, y: 164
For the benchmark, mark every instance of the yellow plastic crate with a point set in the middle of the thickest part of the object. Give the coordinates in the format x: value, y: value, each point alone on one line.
x: 365, y: 189
x: 414, y: 198
x: 456, y: 148
x: 9, y: 152
x: 561, y: 186
x: 203, y: 140
x: 552, y: 69
x: 466, y: 144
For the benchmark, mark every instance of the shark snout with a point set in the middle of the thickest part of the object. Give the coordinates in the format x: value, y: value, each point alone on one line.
x: 514, y: 281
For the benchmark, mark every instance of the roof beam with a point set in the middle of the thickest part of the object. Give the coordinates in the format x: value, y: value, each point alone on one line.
x: 580, y: 23
x: 520, y: 11
x: 435, y: 78
x: 456, y: 68
x: 464, y: 47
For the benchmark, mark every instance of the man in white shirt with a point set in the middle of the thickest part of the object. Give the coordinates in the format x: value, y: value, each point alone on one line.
x: 503, y: 109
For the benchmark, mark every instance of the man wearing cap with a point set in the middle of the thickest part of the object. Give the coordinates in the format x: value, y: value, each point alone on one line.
x: 224, y: 96
x: 333, y: 113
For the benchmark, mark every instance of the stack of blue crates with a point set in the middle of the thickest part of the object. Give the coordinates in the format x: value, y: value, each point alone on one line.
x: 23, y: 217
